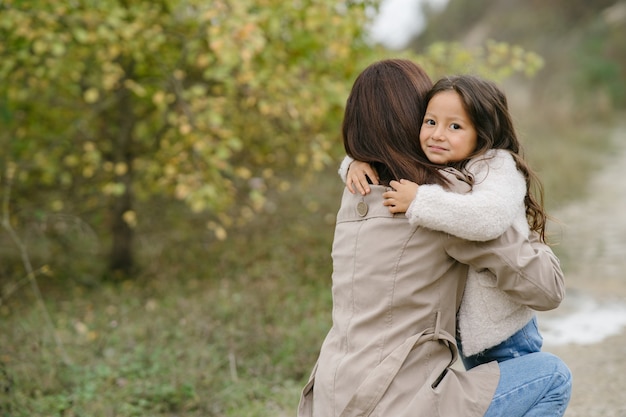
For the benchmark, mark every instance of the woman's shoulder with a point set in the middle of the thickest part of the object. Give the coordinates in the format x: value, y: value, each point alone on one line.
x: 458, y: 181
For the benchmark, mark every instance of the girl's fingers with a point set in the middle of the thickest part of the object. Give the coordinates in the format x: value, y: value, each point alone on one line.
x: 349, y: 185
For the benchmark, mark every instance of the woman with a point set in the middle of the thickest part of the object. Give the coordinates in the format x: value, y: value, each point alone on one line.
x: 397, y: 288
x: 468, y: 126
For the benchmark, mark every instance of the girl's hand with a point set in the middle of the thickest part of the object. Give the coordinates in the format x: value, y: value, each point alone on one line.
x: 356, y: 177
x: 400, y: 198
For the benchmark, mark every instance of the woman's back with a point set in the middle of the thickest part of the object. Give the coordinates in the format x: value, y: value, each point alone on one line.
x: 395, y: 295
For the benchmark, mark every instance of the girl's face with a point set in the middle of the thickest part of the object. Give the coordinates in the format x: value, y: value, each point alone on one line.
x: 447, y: 134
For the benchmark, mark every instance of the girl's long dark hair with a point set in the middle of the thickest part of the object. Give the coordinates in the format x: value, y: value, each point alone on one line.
x: 382, y: 121
x: 487, y: 107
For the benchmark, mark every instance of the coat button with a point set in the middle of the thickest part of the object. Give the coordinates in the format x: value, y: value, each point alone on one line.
x: 361, y: 208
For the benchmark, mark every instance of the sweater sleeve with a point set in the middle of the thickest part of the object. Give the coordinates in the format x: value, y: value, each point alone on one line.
x: 343, y: 168
x: 482, y: 214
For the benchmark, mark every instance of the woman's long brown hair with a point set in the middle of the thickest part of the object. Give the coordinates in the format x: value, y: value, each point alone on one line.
x: 382, y: 121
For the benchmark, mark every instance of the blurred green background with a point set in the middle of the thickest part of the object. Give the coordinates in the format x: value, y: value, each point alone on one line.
x: 169, y: 181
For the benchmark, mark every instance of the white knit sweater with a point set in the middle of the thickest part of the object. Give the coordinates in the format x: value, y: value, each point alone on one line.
x: 487, y: 315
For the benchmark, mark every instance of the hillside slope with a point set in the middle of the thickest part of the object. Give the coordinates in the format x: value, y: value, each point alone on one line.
x: 583, y: 43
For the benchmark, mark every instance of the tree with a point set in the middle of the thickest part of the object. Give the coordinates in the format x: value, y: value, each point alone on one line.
x: 121, y: 100
x: 110, y: 101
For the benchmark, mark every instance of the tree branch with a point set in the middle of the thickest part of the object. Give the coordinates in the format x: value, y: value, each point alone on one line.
x: 6, y: 225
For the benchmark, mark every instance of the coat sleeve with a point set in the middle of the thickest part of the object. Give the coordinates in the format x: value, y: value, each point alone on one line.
x: 526, y: 269
x: 482, y: 214
x: 343, y: 168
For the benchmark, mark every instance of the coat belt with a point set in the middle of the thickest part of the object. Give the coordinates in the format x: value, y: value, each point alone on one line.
x: 371, y: 390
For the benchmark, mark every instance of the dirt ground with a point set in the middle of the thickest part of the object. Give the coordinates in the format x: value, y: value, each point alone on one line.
x: 593, y: 233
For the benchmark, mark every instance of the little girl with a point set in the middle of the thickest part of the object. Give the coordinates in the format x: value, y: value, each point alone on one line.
x: 467, y: 128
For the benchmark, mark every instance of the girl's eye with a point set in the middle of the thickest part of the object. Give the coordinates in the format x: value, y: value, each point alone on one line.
x: 455, y: 126
x: 429, y: 122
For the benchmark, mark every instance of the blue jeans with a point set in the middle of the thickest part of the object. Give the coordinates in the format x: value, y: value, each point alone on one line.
x: 533, y: 385
x: 526, y: 340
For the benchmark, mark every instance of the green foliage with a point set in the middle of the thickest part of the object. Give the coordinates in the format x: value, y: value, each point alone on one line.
x: 600, y: 61
x: 583, y: 44
x: 108, y: 102
x: 494, y: 60
x: 231, y: 335
x: 197, y: 88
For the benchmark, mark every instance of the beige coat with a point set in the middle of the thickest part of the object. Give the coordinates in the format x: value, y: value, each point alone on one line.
x: 396, y: 292
x: 487, y: 315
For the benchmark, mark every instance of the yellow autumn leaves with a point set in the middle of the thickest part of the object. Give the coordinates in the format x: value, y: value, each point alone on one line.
x: 212, y: 103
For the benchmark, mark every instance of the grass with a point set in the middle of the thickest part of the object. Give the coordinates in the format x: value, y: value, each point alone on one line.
x: 209, y: 328
x: 564, y: 156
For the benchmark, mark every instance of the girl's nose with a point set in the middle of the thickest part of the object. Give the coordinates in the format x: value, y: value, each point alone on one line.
x: 438, y: 134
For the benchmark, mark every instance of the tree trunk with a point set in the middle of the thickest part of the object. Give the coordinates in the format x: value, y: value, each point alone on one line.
x: 121, y: 259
